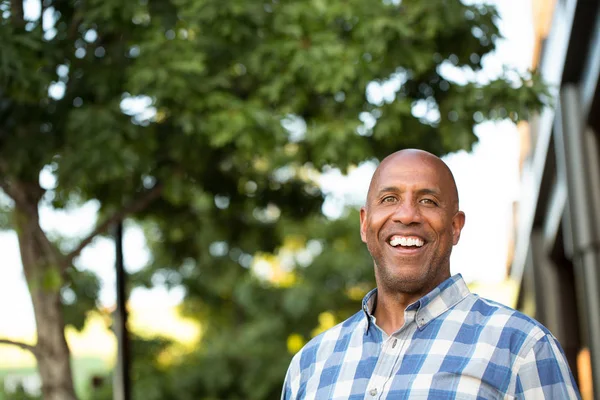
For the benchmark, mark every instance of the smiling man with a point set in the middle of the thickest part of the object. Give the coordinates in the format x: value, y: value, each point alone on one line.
x: 421, y: 334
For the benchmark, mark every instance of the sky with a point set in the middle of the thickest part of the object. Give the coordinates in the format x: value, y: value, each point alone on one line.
x: 487, y: 179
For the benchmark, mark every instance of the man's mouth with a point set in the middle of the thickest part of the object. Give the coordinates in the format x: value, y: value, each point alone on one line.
x: 406, y: 241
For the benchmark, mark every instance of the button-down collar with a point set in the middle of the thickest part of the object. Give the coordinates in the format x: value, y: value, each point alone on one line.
x: 428, y: 307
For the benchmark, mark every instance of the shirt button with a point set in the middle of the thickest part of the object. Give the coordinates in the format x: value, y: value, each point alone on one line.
x: 373, y: 392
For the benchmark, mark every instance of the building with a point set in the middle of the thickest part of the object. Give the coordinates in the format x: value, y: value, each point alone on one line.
x: 557, y: 240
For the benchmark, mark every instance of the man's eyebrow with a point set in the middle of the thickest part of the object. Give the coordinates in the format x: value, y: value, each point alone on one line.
x: 434, y: 192
x: 394, y: 189
x: 388, y: 189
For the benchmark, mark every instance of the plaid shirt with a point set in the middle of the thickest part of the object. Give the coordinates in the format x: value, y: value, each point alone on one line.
x: 453, y: 345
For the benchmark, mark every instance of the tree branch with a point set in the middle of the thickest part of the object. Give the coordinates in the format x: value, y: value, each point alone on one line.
x: 17, y: 14
x: 74, y: 25
x: 3, y: 187
x: 25, y: 195
x: 22, y: 345
x: 131, y: 208
x: 11, y: 192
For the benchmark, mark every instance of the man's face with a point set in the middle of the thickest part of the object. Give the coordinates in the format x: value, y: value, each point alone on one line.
x: 410, y: 222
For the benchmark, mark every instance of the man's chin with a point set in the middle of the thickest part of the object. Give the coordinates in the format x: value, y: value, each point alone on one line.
x: 408, y: 281
x: 411, y: 287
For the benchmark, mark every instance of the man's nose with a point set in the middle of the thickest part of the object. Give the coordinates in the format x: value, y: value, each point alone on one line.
x: 407, y: 213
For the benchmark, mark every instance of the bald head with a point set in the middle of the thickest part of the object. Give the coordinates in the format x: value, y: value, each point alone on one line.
x: 412, y: 158
x: 412, y: 196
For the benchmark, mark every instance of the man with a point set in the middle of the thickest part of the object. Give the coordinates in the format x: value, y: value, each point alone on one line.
x: 421, y: 333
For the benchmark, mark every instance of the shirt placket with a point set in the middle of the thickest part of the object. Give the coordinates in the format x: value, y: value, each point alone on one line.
x: 392, y: 351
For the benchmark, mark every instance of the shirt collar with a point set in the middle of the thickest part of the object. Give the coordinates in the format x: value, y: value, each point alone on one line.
x: 429, y: 307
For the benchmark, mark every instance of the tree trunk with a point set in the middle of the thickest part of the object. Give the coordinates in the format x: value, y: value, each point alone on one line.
x: 53, y: 356
x: 43, y: 272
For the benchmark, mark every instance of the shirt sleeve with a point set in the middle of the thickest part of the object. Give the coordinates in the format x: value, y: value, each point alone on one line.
x: 291, y: 376
x: 286, y: 392
x: 545, y: 373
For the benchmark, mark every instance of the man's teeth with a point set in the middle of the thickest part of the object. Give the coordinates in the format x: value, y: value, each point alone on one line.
x: 404, y: 241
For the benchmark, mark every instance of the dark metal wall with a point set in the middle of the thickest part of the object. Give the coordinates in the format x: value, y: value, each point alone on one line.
x: 557, y: 249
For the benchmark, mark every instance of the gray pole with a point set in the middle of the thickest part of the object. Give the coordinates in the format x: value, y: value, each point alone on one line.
x: 583, y: 180
x: 121, y: 381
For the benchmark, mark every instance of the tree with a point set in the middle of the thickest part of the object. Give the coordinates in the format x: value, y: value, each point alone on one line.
x: 243, y: 102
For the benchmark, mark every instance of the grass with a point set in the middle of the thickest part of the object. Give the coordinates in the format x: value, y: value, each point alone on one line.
x: 84, y: 368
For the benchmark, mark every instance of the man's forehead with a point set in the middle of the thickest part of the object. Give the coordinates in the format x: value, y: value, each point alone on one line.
x: 408, y: 169
x: 402, y: 181
x: 415, y: 168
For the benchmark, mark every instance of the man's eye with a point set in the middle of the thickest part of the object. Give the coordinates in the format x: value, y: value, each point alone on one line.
x: 388, y: 199
x: 428, y: 201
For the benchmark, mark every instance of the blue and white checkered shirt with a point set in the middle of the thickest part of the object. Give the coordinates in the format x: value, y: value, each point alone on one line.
x: 453, y: 345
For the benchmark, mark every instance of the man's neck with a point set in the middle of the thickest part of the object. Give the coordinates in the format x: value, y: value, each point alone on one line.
x: 389, y: 309
x: 390, y: 305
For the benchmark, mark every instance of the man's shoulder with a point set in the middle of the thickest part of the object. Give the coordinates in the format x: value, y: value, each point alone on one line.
x: 327, y: 340
x: 492, y: 314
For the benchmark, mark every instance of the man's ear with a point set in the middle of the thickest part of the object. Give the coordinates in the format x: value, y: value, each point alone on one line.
x: 363, y: 224
x: 458, y: 222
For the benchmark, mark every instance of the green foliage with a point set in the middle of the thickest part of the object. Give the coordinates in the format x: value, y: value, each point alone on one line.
x: 5, y: 213
x: 149, y: 379
x: 79, y: 296
x: 242, y: 104
x: 247, y: 321
x: 18, y: 394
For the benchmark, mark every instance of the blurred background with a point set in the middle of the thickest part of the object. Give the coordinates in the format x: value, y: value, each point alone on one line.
x: 180, y: 180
